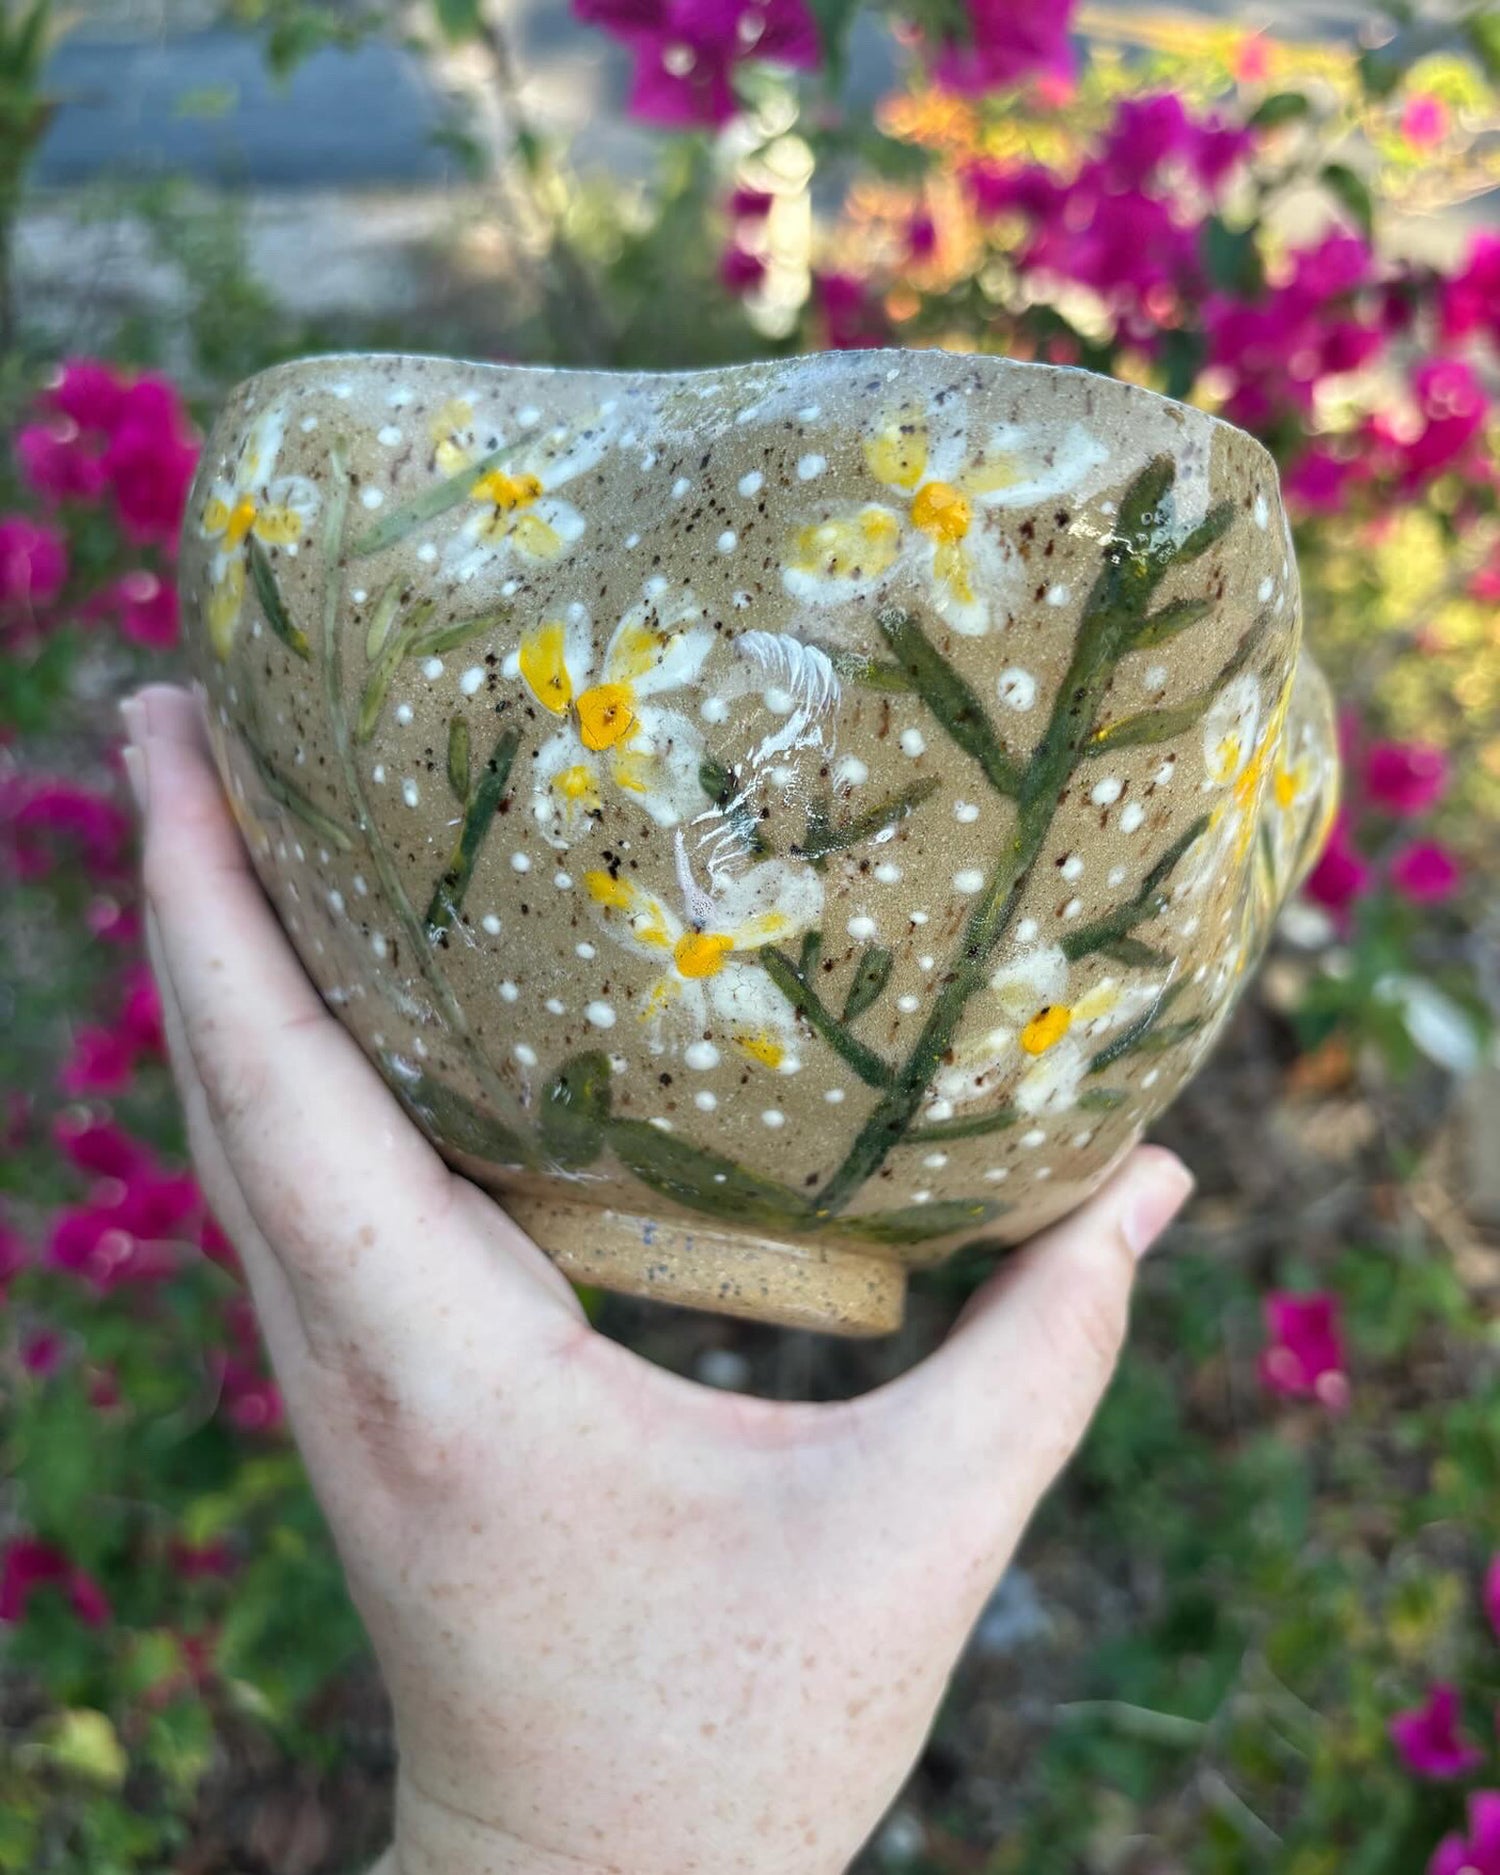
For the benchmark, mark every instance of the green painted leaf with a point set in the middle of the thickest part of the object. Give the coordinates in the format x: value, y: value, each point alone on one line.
x: 381, y: 619
x: 799, y: 992
x: 823, y: 837
x: 866, y: 672
x: 397, y: 649
x: 1282, y: 107
x: 1168, y: 620
x: 575, y: 1111
x: 951, y: 701
x: 1133, y: 953
x: 458, y: 758
x: 1213, y: 527
x: 448, y: 894
x: 458, y: 632
x: 707, y: 1181
x: 1134, y: 1037
x: 438, y: 499
x: 810, y: 954
x: 1102, y: 1099
x: 966, y: 1126
x: 919, y: 1223
x: 297, y: 804
x: 453, y: 1119
x: 263, y: 579
x: 870, y: 978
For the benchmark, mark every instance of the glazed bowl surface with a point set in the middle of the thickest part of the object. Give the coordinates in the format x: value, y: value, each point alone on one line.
x: 771, y: 826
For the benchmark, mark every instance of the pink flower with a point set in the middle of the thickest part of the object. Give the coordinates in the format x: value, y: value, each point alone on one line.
x: 58, y: 462
x: 1252, y: 60
x: 747, y: 204
x: 1491, y: 1595
x: 193, y: 1562
x: 99, y: 1146
x: 1479, y: 1853
x: 851, y: 319
x: 1429, y: 1740
x: 15, y: 1253
x: 1471, y: 299
x: 1342, y: 875
x: 104, y: 1058
x: 1304, y: 1353
x: 42, y: 1352
x: 33, y: 568
x: 921, y: 237
x: 145, y: 608
x: 1426, y: 873
x: 1405, y: 778
x: 1008, y: 40
x: 740, y: 271
x: 149, y: 462
x: 41, y: 815
x: 686, y: 50
x: 1318, y: 481
x: 89, y: 392
x: 29, y: 1564
x: 1451, y: 402
x: 133, y: 1228
x: 1425, y: 121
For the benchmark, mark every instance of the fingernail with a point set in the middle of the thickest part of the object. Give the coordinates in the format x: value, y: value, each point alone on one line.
x: 134, y: 758
x: 1159, y: 1191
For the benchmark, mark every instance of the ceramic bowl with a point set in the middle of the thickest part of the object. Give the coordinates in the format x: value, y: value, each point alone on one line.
x: 771, y: 826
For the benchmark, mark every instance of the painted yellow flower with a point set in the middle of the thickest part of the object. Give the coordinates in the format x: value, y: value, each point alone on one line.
x: 611, y: 732
x: 944, y: 485
x: 455, y: 436
x: 1048, y: 1030
x: 251, y: 501
x: 514, y: 511
x: 708, y: 990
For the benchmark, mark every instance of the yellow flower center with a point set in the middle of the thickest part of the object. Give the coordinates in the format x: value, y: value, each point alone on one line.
x: 507, y: 492
x: 702, y: 953
x: 241, y: 520
x: 1046, y: 1028
x: 605, y: 715
x: 941, y: 511
x: 612, y: 894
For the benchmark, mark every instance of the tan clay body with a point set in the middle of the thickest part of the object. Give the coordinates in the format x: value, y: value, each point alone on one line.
x: 771, y: 826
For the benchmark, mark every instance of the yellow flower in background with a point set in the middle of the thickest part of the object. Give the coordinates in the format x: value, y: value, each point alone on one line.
x: 251, y: 502
x: 612, y: 732
x: 709, y: 989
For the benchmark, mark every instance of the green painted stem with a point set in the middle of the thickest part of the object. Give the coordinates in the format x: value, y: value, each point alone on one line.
x: 805, y: 999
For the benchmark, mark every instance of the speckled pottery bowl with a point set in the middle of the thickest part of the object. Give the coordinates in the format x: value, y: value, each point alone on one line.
x: 771, y: 826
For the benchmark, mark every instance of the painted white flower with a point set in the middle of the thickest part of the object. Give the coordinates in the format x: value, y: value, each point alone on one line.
x: 1241, y: 751
x: 611, y: 732
x: 251, y: 500
x: 1047, y: 1033
x: 515, y: 512
x: 708, y: 988
x: 945, y: 484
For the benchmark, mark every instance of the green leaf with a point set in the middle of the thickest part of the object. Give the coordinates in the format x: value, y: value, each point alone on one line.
x: 397, y: 523
x: 1102, y: 1099
x: 1350, y: 190
x: 457, y: 632
x: 1232, y: 258
x: 870, y: 978
x: 834, y: 20
x: 297, y: 804
x: 1484, y: 37
x: 706, y: 1181
x: 919, y: 1223
x: 868, y: 673
x: 1282, y: 107
x: 1214, y: 526
x: 1168, y: 620
x: 459, y: 19
x: 452, y: 1119
x: 381, y: 619
x: 799, y: 992
x: 824, y: 838
x: 951, y: 701
x: 448, y: 894
x: 1134, y: 954
x: 263, y: 579
x: 575, y: 1111
x: 966, y: 1126
x: 397, y: 648
x: 458, y: 758
x: 1135, y: 1036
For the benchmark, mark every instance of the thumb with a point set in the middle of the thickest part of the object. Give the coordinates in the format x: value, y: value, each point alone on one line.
x: 982, y: 1428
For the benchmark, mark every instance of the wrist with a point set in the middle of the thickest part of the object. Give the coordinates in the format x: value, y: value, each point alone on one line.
x: 436, y: 1838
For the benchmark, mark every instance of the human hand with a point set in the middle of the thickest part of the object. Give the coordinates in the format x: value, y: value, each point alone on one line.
x: 627, y: 1623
